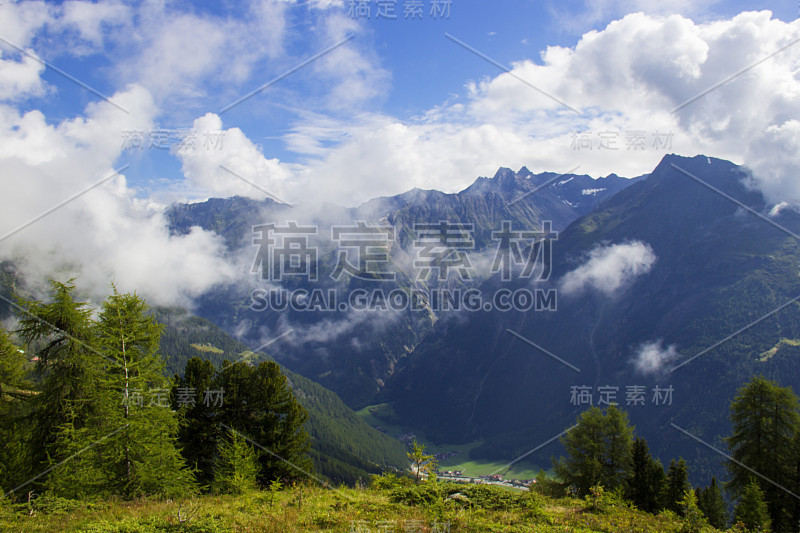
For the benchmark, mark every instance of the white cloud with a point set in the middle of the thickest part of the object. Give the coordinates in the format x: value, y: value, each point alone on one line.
x: 595, y: 11
x: 20, y: 79
x: 205, y: 165
x: 650, y: 357
x: 105, y: 235
x: 624, y: 79
x: 175, y: 52
x: 92, y: 20
x: 20, y: 20
x: 353, y: 73
x: 609, y: 269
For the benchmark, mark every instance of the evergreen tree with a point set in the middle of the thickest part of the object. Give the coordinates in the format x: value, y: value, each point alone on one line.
x: 236, y: 467
x: 199, y: 433
x: 752, y: 510
x: 765, y: 421
x: 675, y: 487
x: 14, y: 390
x: 126, y: 447
x: 712, y: 505
x: 91, y: 423
x: 260, y: 402
x: 420, y: 461
x: 14, y: 385
x: 658, y: 479
x: 643, y: 487
x: 693, y: 519
x: 70, y: 366
x: 599, y: 450
x: 794, y: 467
x: 142, y: 458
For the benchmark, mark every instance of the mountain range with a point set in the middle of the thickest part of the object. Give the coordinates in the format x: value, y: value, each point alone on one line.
x: 667, y: 291
x: 684, y: 267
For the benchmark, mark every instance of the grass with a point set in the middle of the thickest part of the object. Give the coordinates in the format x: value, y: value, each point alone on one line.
x: 394, y: 504
x: 207, y: 348
x: 772, y: 351
x: 520, y: 470
x: 382, y: 415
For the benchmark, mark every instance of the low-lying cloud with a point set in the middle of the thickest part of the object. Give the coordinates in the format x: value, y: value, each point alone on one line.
x: 609, y: 269
x: 651, y: 357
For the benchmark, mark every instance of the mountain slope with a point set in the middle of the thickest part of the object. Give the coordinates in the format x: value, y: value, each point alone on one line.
x: 717, y: 269
x: 344, y: 447
x: 352, y: 353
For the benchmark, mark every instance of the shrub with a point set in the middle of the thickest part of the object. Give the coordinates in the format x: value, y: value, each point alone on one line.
x: 601, y: 501
x: 423, y: 494
x: 389, y: 481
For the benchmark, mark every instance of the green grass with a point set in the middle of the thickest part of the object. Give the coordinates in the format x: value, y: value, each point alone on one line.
x: 520, y: 470
x: 772, y: 351
x: 382, y: 415
x: 207, y: 348
x: 392, y: 502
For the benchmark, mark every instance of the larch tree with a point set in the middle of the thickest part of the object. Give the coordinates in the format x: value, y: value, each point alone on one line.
x: 599, y: 450
x: 142, y: 458
x: 765, y: 423
x: 70, y: 367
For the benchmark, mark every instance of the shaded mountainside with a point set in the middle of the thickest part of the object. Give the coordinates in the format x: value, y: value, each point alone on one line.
x: 718, y: 268
x: 355, y: 354
x: 344, y: 447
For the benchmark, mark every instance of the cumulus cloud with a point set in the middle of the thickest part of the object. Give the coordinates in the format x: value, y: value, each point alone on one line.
x: 104, y: 235
x: 626, y: 80
x: 225, y: 163
x: 651, y: 357
x: 21, y: 78
x: 608, y: 269
x: 626, y: 77
x: 175, y: 52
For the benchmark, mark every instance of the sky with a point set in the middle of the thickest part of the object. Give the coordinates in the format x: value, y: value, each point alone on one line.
x: 113, y: 110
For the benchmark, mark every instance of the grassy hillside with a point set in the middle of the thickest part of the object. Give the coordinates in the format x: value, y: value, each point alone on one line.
x: 386, y: 507
x: 344, y: 447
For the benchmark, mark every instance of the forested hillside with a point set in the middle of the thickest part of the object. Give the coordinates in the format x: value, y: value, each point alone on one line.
x: 343, y: 446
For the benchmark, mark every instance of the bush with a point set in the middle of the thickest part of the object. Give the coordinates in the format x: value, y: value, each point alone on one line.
x: 536, y: 507
x: 487, y: 497
x: 423, y: 494
x: 600, y: 501
x: 492, y: 498
x: 389, y: 481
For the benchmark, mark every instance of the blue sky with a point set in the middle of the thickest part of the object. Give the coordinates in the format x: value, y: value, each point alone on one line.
x: 408, y: 66
x: 598, y: 86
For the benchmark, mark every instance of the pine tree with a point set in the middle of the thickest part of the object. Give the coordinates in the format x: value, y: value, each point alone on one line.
x: 712, y: 504
x: 260, y: 402
x: 752, y: 510
x: 693, y: 519
x: 765, y: 421
x: 599, y: 450
x: 236, y: 467
x: 675, y: 487
x: 794, y: 467
x: 13, y: 383
x: 98, y: 440
x: 647, y: 476
x: 199, y: 432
